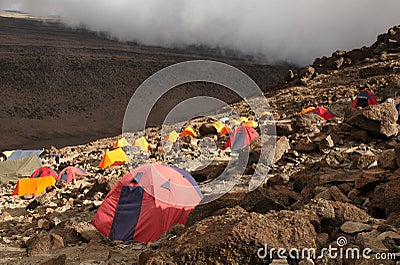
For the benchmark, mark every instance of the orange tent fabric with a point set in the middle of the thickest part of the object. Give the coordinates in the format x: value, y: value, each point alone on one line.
x: 172, y: 136
x: 33, y: 185
x: 306, y: 110
x: 188, y: 131
x: 120, y: 143
x: 113, y: 158
x: 226, y: 130
x: 142, y: 144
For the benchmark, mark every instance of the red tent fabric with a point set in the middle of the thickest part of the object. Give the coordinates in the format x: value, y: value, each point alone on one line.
x: 44, y: 172
x: 324, y: 113
x: 147, y: 202
x: 364, y: 98
x: 241, y: 136
x: 69, y: 173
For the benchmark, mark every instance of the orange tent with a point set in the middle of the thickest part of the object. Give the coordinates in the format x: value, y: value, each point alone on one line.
x: 306, y: 110
x: 33, y: 185
x: 113, y: 158
x: 142, y: 144
x: 172, y: 136
x: 188, y: 131
x: 226, y: 130
x: 120, y: 143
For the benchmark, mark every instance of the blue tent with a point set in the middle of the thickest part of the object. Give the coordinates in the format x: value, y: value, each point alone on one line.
x: 18, y: 154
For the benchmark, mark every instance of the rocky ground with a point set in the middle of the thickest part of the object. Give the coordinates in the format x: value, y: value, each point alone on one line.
x: 329, y: 180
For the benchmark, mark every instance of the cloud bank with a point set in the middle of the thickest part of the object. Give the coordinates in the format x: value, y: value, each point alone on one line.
x: 294, y: 31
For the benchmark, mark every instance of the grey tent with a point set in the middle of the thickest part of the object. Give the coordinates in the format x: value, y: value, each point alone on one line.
x: 11, y: 170
x: 18, y: 154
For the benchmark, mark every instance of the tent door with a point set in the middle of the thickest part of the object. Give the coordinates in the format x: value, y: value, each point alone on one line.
x: 64, y: 176
x: 238, y: 141
x: 362, y: 102
x: 127, y: 213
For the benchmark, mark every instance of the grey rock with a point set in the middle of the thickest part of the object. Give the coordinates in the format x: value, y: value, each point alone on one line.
x: 354, y: 227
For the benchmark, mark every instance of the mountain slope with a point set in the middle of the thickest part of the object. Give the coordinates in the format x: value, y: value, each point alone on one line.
x: 68, y: 86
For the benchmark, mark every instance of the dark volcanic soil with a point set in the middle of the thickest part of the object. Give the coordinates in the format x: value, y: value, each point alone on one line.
x: 63, y: 86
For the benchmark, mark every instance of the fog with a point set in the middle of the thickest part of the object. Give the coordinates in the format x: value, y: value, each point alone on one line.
x: 294, y: 31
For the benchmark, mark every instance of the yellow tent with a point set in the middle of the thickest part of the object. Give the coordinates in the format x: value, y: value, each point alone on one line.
x: 253, y: 124
x: 142, y: 144
x: 120, y: 143
x: 244, y: 119
x: 225, y: 130
x: 218, y: 126
x: 234, y: 122
x: 188, y: 131
x: 33, y: 185
x: 113, y: 158
x: 238, y: 122
x: 306, y: 110
x: 265, y: 113
x: 172, y: 136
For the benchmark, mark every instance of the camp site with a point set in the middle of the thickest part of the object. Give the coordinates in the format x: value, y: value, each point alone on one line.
x: 200, y: 132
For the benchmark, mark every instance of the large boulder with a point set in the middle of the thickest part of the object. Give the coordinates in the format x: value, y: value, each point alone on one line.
x: 234, y: 237
x: 207, y: 129
x: 340, y: 212
x: 281, y: 147
x: 308, y: 121
x: 280, y: 144
x: 385, y: 199
x: 378, y: 119
x: 387, y: 159
x: 283, y: 129
x: 350, y: 227
x: 43, y: 242
x: 306, y: 74
x: 306, y: 145
x: 388, y: 41
x: 58, y: 260
x: 263, y: 199
x: 397, y: 154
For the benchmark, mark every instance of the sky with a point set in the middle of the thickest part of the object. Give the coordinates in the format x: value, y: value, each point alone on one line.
x: 293, y: 31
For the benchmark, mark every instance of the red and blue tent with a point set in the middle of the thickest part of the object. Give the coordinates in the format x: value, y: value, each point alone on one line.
x: 364, y: 99
x: 44, y: 172
x: 241, y: 137
x: 70, y: 173
x: 147, y: 202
